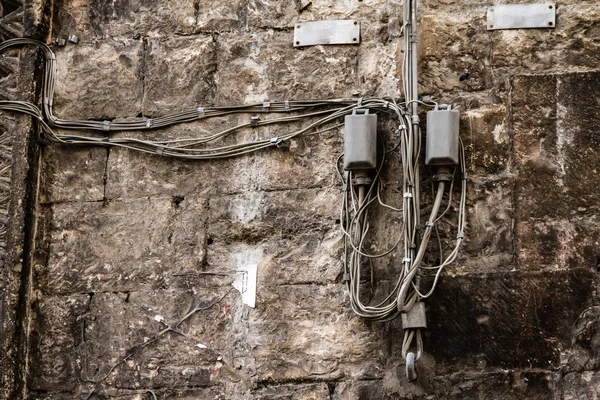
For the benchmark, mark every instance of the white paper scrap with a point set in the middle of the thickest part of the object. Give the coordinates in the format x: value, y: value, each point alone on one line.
x: 245, y: 283
x: 201, y: 346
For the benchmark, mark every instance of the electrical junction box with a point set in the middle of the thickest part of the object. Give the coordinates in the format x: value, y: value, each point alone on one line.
x: 442, y: 137
x: 360, y: 141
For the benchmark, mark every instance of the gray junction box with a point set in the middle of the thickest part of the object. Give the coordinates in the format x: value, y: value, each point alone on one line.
x: 360, y: 141
x: 442, y: 137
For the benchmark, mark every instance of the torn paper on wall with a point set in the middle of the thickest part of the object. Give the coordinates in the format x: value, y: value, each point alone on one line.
x: 245, y: 283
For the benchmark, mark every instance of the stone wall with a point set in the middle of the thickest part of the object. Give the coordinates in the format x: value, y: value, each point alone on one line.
x: 120, y: 240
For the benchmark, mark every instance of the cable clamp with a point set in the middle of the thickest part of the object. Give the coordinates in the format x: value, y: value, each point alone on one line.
x: 406, y: 260
x: 344, y: 187
x: 412, y: 246
x: 148, y: 123
x: 360, y: 101
x: 443, y: 176
x: 266, y: 104
x: 106, y: 125
x: 460, y: 235
x: 160, y: 151
x: 411, y: 184
x: 276, y: 141
x: 200, y: 111
x: 429, y: 224
x: 346, y: 277
x: 254, y: 121
x: 407, y: 195
x: 286, y: 104
x: 465, y: 177
x: 415, y: 119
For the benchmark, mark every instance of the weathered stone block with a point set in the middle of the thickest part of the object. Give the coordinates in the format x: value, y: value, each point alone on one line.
x: 554, y: 154
x: 315, y: 391
x: 380, y: 68
x: 292, y: 236
x: 454, y: 54
x: 271, y: 68
x: 179, y: 74
x: 310, y: 161
x: 101, y: 80
x: 132, y: 174
x: 301, y: 332
x: 507, y: 321
x: 571, y: 45
x: 219, y: 16
x: 73, y: 174
x: 118, y: 325
x: 489, y: 236
x: 55, y: 340
x: 92, y: 19
x: 485, y: 133
x: 123, y: 245
x: 581, y: 385
x: 559, y: 244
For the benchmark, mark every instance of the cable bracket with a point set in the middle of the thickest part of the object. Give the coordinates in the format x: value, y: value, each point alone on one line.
x: 148, y: 123
x: 361, y: 181
x: 266, y: 104
x: 443, y: 176
x: 201, y: 112
x: 460, y: 235
x: 286, y: 104
x: 106, y: 125
x: 407, y: 195
x: 429, y: 224
x: 160, y: 151
x: 254, y: 121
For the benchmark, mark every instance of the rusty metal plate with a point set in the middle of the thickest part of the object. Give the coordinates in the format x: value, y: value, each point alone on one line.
x: 519, y: 16
x: 326, y: 32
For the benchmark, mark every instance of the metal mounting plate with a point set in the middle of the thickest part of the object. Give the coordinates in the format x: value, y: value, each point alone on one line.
x: 518, y: 16
x: 326, y: 32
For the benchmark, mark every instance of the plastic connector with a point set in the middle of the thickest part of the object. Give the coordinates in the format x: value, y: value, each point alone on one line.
x: 360, y: 141
x: 442, y: 137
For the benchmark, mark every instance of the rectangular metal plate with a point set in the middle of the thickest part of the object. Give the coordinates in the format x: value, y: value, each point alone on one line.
x: 518, y: 16
x: 326, y: 32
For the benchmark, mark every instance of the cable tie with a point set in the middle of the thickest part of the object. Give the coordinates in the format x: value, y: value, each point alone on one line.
x: 148, y: 123
x: 286, y: 104
x: 200, y: 111
x: 460, y: 235
x: 429, y: 224
x: 405, y: 260
x: 254, y: 121
x: 415, y: 119
x: 160, y: 151
x: 266, y: 104
x: 275, y: 140
x: 407, y: 195
x: 106, y: 125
